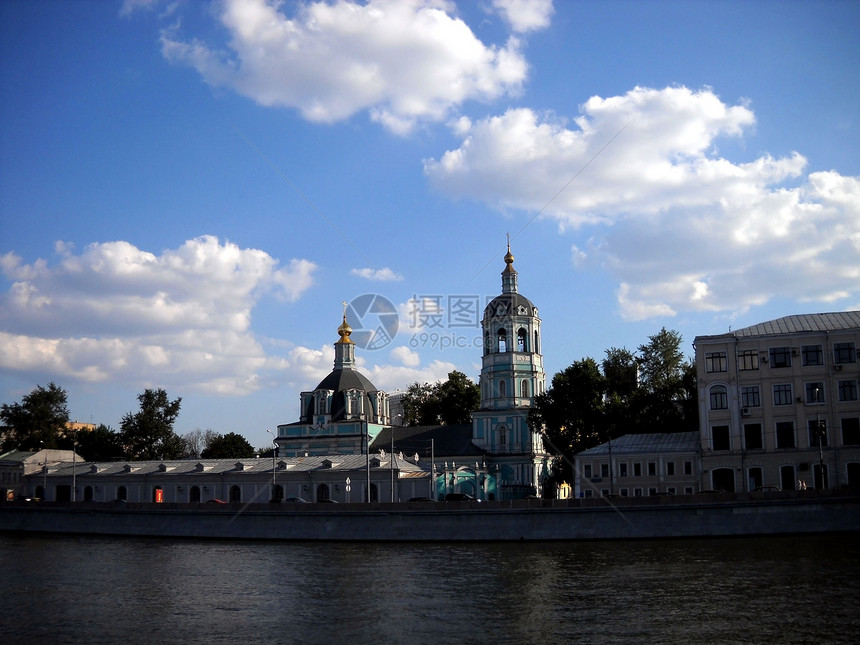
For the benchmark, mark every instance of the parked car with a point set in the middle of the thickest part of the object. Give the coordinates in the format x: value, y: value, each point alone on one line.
x: 421, y: 499
x: 215, y: 501
x: 460, y: 497
x: 295, y: 500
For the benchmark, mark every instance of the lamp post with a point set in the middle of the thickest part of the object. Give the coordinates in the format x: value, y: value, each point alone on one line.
x: 74, y: 463
x: 274, y: 454
x: 819, y: 432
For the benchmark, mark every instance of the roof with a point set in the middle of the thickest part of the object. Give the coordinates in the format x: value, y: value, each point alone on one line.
x: 507, y: 304
x: 810, y: 323
x: 203, y: 467
x: 346, y: 379
x: 648, y: 443
x: 447, y: 441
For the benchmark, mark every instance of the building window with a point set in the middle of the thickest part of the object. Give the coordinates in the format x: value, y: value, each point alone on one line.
x: 688, y: 490
x: 719, y: 397
x: 503, y: 340
x: 604, y: 470
x: 637, y: 469
x: 322, y: 492
x: 716, y: 362
x: 622, y: 470
x: 844, y: 353
x: 782, y: 394
x: 720, y: 438
x: 814, y: 426
x: 623, y: 492
x: 586, y: 471
x: 785, y: 434
x: 748, y: 360
x: 522, y: 335
x: 851, y: 431
x: 814, y: 392
x: 750, y: 397
x: 847, y: 390
x: 637, y: 492
x: 780, y: 356
x: 503, y: 389
x: 235, y: 494
x: 652, y: 492
x: 652, y: 468
x: 670, y: 468
x: 589, y: 493
x: 812, y: 355
x: 688, y: 467
x: 752, y: 436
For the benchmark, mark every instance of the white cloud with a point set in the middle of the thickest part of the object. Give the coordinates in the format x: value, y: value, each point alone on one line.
x: 525, y: 15
x: 405, y: 356
x: 680, y: 227
x: 117, y: 313
x: 378, y: 275
x: 404, y: 62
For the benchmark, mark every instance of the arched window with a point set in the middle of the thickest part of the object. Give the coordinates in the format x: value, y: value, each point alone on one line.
x: 322, y: 492
x: 503, y: 389
x: 503, y: 340
x: 235, y: 494
x: 194, y: 495
x: 321, y: 404
x: 525, y: 389
x: 719, y: 397
x: 374, y: 493
x: 522, y: 337
x: 278, y: 492
x: 40, y: 492
x: 122, y: 493
x: 88, y: 493
x: 535, y: 347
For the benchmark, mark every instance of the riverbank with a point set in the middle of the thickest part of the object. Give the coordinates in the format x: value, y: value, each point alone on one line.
x: 532, y: 520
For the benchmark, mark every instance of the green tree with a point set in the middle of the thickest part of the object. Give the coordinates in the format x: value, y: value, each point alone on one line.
x: 100, y: 444
x: 419, y: 405
x: 38, y: 421
x: 148, y: 433
x: 571, y: 412
x: 664, y: 384
x: 228, y: 446
x: 457, y: 398
x: 445, y: 403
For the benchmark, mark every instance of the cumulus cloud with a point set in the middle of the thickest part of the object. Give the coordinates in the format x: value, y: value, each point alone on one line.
x: 525, y: 15
x: 404, y: 62
x: 406, y: 356
x: 680, y: 227
x: 377, y: 275
x: 116, y: 312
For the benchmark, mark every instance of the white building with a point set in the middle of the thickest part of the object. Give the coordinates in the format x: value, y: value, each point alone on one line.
x: 778, y: 404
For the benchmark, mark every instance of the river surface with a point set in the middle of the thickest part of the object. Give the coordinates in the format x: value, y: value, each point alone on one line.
x: 110, y: 590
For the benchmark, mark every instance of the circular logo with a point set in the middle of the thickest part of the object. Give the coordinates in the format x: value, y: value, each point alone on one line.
x: 373, y: 319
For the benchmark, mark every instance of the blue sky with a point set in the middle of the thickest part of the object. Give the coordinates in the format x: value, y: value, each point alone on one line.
x: 189, y: 191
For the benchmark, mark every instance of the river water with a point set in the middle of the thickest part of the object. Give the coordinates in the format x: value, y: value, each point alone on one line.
x: 109, y: 590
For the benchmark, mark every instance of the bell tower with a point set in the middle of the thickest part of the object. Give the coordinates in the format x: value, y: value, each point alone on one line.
x: 511, y: 375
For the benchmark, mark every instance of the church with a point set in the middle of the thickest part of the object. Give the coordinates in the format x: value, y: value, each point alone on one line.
x: 497, y: 456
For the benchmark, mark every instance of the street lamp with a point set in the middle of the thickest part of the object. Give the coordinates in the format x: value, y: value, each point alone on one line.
x: 819, y: 432
x: 274, y: 454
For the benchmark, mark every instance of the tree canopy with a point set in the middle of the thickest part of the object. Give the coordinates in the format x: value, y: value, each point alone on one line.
x: 445, y: 403
x: 653, y: 390
x: 228, y: 446
x: 148, y: 433
x: 38, y: 421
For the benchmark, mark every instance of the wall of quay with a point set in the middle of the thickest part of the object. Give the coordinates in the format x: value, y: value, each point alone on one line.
x: 532, y: 520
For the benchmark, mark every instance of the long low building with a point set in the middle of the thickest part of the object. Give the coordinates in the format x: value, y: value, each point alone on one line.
x: 337, y: 478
